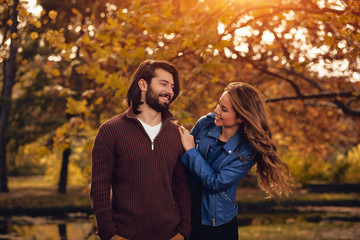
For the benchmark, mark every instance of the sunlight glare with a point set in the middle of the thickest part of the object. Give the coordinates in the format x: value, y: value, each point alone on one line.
x: 221, y: 28
x: 267, y: 37
x: 355, y: 77
x: 33, y: 7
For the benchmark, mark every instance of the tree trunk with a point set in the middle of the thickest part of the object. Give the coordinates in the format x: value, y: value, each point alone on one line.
x: 9, y: 79
x: 64, y: 171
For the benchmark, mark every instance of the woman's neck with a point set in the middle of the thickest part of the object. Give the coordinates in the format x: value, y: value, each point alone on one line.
x: 227, y: 133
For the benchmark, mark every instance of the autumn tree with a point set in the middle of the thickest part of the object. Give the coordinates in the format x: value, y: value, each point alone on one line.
x: 302, y: 55
x: 9, y: 71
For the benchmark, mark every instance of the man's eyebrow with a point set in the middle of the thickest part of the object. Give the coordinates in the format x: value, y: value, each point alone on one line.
x: 167, y: 81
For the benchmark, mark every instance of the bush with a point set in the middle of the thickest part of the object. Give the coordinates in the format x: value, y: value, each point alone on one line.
x: 347, y: 167
x: 305, y: 169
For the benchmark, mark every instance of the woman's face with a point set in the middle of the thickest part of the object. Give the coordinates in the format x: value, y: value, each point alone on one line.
x: 225, y: 113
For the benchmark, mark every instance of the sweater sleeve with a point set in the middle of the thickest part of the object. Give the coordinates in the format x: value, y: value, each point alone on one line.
x: 102, y: 169
x: 182, y: 197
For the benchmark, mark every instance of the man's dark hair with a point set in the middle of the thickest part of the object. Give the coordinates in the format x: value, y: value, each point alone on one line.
x: 146, y: 71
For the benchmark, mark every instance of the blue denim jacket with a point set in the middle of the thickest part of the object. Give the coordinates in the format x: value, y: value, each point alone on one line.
x: 218, y: 168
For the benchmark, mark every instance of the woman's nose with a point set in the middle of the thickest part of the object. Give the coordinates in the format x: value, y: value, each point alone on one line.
x: 216, y: 110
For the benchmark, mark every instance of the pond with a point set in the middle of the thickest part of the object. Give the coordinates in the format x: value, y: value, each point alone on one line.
x: 280, y: 226
x: 24, y: 227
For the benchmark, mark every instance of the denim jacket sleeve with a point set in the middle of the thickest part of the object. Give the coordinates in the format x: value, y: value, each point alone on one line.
x: 215, y: 181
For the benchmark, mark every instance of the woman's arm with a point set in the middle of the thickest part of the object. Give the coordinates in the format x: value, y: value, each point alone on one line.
x: 215, y: 181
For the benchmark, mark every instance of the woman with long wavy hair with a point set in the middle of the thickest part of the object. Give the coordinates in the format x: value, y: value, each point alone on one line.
x: 220, y: 150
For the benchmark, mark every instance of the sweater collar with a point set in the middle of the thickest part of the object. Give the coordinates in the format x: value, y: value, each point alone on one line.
x: 165, y: 116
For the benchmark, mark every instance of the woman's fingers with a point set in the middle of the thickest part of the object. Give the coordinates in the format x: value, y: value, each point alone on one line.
x: 183, y: 130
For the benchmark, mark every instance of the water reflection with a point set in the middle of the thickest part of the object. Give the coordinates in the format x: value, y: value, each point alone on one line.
x: 82, y: 227
x: 24, y: 227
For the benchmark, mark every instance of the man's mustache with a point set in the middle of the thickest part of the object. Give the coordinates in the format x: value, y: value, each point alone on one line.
x: 167, y: 95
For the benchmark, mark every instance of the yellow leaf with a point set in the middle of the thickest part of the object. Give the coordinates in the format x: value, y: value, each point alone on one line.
x: 55, y: 72
x: 34, y: 35
x: 75, y: 107
x: 75, y: 11
x: 53, y: 14
x: 37, y: 24
x: 14, y: 35
x: 10, y: 22
x: 99, y: 101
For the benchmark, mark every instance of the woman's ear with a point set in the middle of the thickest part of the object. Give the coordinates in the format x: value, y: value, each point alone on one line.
x: 143, y: 85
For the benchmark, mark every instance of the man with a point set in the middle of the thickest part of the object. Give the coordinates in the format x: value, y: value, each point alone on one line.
x: 135, y: 155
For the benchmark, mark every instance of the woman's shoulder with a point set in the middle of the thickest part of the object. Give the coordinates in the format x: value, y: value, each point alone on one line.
x: 206, y: 119
x: 246, y: 150
x: 203, y: 123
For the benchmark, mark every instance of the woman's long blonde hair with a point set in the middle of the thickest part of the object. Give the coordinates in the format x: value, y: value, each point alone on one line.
x: 273, y: 174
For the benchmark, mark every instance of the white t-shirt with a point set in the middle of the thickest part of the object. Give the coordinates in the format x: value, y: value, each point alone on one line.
x: 151, y: 131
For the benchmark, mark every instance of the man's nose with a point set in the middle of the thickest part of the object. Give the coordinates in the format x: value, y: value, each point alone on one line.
x: 170, y: 90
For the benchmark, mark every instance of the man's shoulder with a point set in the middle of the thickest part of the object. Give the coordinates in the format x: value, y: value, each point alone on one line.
x: 172, y: 124
x: 115, y: 121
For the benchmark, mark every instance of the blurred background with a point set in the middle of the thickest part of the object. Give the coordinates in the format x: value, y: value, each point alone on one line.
x: 66, y: 66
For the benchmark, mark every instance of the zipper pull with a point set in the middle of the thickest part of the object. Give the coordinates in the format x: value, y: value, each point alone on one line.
x: 213, y: 220
x: 152, y: 145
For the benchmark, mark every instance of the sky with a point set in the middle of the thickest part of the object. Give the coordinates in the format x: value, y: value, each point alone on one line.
x: 33, y: 7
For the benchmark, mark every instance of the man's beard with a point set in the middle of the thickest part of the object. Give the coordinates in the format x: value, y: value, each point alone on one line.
x: 153, y: 101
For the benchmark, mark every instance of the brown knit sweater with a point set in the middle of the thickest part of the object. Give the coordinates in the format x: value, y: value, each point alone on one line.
x: 150, y: 193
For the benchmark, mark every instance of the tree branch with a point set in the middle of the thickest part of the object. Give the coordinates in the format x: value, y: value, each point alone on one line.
x: 346, y: 109
x: 314, y: 96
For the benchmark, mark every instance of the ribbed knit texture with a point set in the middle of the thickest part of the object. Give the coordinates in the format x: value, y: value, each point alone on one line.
x: 150, y: 190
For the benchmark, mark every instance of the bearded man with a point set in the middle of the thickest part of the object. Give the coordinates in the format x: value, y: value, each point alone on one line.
x: 135, y: 157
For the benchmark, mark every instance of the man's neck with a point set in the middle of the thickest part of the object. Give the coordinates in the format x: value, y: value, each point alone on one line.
x: 149, y: 115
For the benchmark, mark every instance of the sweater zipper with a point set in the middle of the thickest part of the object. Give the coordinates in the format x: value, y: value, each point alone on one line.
x: 152, y: 142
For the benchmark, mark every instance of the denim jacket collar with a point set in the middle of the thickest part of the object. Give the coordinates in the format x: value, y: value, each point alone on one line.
x: 230, y: 145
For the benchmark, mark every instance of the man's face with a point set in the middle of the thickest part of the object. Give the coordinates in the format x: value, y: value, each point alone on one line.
x: 160, y: 91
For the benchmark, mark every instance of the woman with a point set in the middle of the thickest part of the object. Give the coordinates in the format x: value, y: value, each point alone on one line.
x: 220, y: 150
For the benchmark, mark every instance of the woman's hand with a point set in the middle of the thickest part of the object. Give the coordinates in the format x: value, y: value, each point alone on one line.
x: 187, y: 139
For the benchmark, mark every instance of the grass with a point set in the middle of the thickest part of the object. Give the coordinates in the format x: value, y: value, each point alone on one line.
x: 36, y: 197
x: 302, y: 231
x: 250, y: 200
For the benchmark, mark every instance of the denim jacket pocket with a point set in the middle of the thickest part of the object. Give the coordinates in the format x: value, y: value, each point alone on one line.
x: 227, y: 198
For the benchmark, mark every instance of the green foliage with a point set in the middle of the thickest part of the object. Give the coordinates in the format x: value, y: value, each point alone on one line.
x: 307, y: 168
x: 347, y: 167
x: 30, y: 159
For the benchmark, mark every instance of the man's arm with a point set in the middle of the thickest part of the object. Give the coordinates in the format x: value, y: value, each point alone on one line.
x: 182, y: 197
x: 102, y: 169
